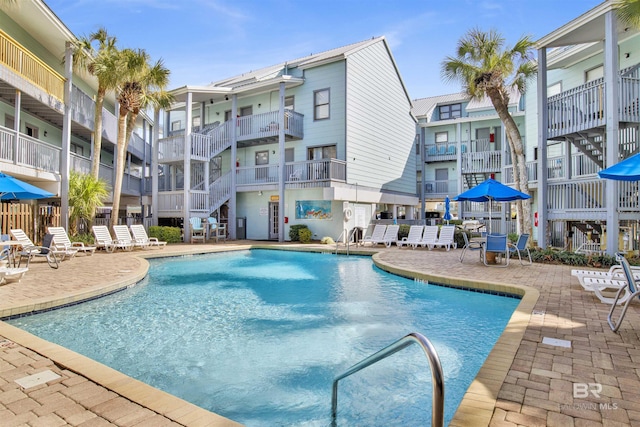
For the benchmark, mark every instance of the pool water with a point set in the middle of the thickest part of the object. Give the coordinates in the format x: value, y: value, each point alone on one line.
x: 258, y: 336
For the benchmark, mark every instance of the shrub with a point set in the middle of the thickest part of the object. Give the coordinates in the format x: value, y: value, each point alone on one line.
x: 458, y: 238
x: 166, y: 234
x: 304, y: 234
x: 513, y: 237
x: 556, y: 256
x: 86, y: 238
x: 403, y: 231
x: 294, y: 232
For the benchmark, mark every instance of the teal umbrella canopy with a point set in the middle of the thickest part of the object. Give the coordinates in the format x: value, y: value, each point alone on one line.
x: 490, y: 190
x: 14, y: 189
x: 626, y: 170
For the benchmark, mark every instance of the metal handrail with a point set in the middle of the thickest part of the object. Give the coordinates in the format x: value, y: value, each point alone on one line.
x: 437, y: 376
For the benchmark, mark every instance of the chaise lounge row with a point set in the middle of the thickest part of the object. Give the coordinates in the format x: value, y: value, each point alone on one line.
x: 123, y: 238
x: 419, y: 235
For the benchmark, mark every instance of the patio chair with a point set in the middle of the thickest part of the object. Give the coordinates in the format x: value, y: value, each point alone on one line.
x: 9, y: 274
x: 216, y: 230
x: 414, y: 238
x: 103, y: 240
x: 391, y: 235
x: 615, y: 272
x: 429, y: 236
x: 46, y: 251
x: 377, y: 235
x: 123, y: 235
x: 197, y: 230
x: 445, y: 239
x: 61, y: 241
x: 496, y: 244
x: 61, y: 254
x: 632, y: 290
x: 521, y: 247
x: 469, y: 245
x: 606, y: 289
x: 140, y: 234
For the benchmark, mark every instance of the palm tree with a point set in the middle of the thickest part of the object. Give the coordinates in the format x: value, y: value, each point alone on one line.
x: 143, y: 86
x: 485, y: 67
x: 629, y: 11
x: 103, y: 63
x: 86, y: 193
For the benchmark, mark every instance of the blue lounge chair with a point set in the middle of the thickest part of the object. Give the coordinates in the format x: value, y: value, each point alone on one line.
x: 521, y: 247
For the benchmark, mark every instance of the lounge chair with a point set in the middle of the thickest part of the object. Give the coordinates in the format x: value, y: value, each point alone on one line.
x: 414, y: 238
x: 61, y: 241
x: 469, y: 245
x: 445, y: 239
x: 7, y: 273
x: 630, y: 288
x: 615, y: 272
x: 60, y: 254
x: 521, y: 247
x: 103, y: 240
x: 430, y: 236
x: 140, y: 234
x: 391, y: 235
x: 216, y: 230
x: 606, y: 289
x: 123, y: 235
x: 46, y: 251
x: 197, y: 230
x: 376, y: 236
x: 496, y: 244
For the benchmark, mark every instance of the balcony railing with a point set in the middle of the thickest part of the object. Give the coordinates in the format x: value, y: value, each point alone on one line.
x: 583, y: 107
x: 440, y: 188
x: 481, y: 162
x: 14, y: 56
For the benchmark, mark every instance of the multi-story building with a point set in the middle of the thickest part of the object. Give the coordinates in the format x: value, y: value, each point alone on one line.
x: 47, y: 115
x: 585, y: 117
x: 463, y: 144
x: 325, y: 140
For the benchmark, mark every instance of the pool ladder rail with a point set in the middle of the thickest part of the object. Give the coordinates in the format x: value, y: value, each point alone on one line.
x: 437, y: 402
x: 350, y: 235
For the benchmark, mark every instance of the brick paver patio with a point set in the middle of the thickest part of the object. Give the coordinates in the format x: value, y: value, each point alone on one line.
x: 594, y: 382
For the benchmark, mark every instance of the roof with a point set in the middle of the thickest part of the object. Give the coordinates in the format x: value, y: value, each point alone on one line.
x: 424, y: 107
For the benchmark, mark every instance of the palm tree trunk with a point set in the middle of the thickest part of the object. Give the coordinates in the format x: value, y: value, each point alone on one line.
x: 517, y: 152
x: 97, y: 134
x: 120, y: 162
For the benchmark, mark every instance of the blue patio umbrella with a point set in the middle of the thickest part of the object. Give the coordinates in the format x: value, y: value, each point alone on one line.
x: 626, y: 170
x: 447, y: 209
x: 13, y: 189
x: 489, y: 191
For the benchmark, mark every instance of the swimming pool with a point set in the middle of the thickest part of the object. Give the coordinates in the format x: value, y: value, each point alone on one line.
x: 257, y: 336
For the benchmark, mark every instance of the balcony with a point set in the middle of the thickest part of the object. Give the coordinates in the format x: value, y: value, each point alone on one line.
x: 583, y: 108
x: 441, y: 152
x: 250, y: 130
x: 481, y: 162
x: 440, y: 189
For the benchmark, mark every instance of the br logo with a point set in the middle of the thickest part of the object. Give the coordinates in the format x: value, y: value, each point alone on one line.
x: 583, y: 390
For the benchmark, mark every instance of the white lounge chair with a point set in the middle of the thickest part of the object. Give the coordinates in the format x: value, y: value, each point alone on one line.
x: 630, y: 289
x: 445, y: 239
x: 28, y: 246
x: 414, y: 238
x: 103, y: 239
x: 429, y: 236
x: 123, y: 235
x: 140, y: 234
x: 391, y: 235
x: 606, y: 289
x: 61, y: 241
x: 10, y: 275
x: 377, y: 235
x: 615, y: 272
x: 31, y: 251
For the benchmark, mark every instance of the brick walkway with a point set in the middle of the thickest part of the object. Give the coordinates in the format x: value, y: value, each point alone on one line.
x: 523, y: 382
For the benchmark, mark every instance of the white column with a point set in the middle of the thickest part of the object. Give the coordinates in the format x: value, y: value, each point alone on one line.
x: 186, y: 210
x: 66, y: 138
x: 612, y: 101
x: 281, y: 165
x: 16, y: 125
x: 543, y: 125
x: 154, y: 167
x: 231, y: 220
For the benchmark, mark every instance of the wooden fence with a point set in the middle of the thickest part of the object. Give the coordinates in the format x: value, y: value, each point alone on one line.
x: 34, y: 220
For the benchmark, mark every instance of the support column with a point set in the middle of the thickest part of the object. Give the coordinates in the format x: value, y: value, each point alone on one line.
x: 423, y: 171
x: 231, y: 220
x: 66, y: 138
x: 543, y: 126
x: 186, y: 191
x: 16, y: 125
x: 611, y: 101
x: 154, y: 167
x: 281, y: 165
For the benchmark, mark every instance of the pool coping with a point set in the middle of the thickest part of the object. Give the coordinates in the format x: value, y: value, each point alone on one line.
x: 476, y: 408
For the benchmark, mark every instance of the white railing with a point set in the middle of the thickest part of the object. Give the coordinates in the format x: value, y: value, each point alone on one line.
x: 170, y: 201
x: 484, y: 161
x: 199, y: 201
x: 39, y: 155
x: 219, y: 191
x: 80, y: 164
x: 171, y: 148
x: 441, y: 187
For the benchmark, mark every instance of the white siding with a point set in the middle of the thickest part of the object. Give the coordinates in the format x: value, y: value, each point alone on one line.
x: 380, y: 130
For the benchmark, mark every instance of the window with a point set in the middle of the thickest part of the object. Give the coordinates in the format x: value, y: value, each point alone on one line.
x: 554, y: 89
x: 195, y: 122
x: 288, y: 155
x: 289, y: 103
x: 8, y: 121
x: 227, y: 115
x: 177, y: 125
x: 31, y: 130
x: 594, y: 73
x: 77, y: 149
x: 452, y: 111
x: 325, y: 152
x: 321, y: 104
x: 442, y: 136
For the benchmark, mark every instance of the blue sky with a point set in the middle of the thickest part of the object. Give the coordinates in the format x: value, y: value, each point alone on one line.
x: 202, y: 41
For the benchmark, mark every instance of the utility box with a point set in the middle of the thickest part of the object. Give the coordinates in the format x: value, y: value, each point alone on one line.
x: 241, y: 228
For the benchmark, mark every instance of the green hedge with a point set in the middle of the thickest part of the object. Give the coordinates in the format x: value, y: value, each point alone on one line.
x: 166, y: 234
x: 294, y: 232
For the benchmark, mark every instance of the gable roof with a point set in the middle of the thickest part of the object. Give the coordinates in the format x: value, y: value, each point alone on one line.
x: 424, y: 107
